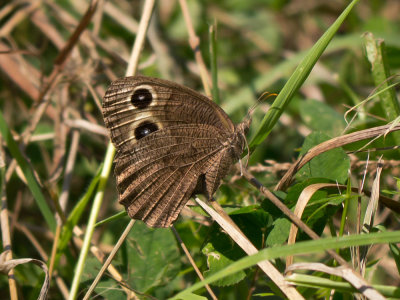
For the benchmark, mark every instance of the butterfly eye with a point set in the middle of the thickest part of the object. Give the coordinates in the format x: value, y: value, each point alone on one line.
x: 145, y: 129
x: 141, y: 98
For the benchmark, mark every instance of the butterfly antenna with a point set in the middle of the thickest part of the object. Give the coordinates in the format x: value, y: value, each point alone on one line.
x: 264, y: 96
x: 260, y: 99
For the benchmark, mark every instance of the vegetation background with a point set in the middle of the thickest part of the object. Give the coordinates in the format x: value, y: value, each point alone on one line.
x: 50, y: 102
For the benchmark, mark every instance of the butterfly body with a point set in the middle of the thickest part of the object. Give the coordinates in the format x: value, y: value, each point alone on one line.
x: 171, y: 141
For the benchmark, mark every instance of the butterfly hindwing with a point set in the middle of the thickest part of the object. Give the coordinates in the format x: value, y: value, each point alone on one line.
x: 160, y: 174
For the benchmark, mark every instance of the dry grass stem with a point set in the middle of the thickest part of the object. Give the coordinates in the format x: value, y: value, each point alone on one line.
x: 366, y: 288
x: 194, y: 43
x: 108, y: 261
x: 331, y: 144
x: 192, y: 262
x: 226, y: 223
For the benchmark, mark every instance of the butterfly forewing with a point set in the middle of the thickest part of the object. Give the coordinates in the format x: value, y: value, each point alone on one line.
x: 134, y: 102
x: 171, y: 142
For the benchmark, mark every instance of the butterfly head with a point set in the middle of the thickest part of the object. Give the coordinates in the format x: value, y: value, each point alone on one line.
x: 243, y: 127
x: 240, y: 137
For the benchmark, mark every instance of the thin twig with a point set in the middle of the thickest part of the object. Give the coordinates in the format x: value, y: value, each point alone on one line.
x: 5, y: 226
x: 194, y: 43
x: 219, y: 215
x: 366, y: 288
x: 140, y: 37
x: 109, y: 260
x: 192, y: 262
x: 331, y: 144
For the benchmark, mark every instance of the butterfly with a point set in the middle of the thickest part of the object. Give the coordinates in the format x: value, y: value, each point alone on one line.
x: 171, y: 143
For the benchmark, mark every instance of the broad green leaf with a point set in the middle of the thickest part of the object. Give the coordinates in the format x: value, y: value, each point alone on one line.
x: 279, y: 232
x: 148, y: 259
x: 321, y: 117
x: 221, y: 250
x: 152, y: 256
x: 333, y: 164
x: 216, y: 261
x: 106, y: 287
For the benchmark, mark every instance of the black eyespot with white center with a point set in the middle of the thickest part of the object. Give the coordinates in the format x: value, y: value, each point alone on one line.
x: 141, y: 98
x: 145, y: 129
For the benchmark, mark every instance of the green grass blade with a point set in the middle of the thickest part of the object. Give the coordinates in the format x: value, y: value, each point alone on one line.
x: 117, y: 216
x: 325, y: 283
x: 76, y: 213
x: 307, y: 247
x: 33, y: 185
x: 376, y: 54
x: 296, y: 80
x: 375, y: 51
x: 105, y: 173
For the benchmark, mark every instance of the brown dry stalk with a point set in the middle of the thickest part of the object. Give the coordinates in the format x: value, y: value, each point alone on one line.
x: 226, y: 223
x: 5, y: 227
x: 107, y: 264
x: 194, y: 43
x: 59, y: 63
x: 365, y: 288
x: 331, y: 144
x: 192, y: 262
x: 309, y: 191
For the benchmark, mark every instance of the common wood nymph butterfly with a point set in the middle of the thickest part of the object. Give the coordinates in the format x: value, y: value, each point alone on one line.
x: 171, y: 141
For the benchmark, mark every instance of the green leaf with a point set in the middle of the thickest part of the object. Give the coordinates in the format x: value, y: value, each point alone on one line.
x: 221, y: 251
x: 191, y: 296
x: 152, y: 256
x: 217, y: 261
x: 106, y: 287
x: 376, y: 54
x: 307, y: 247
x: 320, y: 117
x: 279, y: 233
x: 295, y: 190
x: 149, y: 258
x: 75, y: 215
x: 333, y: 164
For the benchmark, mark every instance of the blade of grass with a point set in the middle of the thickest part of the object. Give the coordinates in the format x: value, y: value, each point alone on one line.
x: 117, y: 216
x: 214, y: 69
x: 75, y: 215
x: 375, y: 51
x: 325, y: 283
x: 105, y: 173
x: 297, y: 79
x: 33, y: 185
x: 307, y: 247
x: 376, y: 54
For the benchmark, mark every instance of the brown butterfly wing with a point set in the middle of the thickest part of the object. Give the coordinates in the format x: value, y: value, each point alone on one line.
x: 170, y: 141
x: 134, y: 102
x: 157, y: 179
